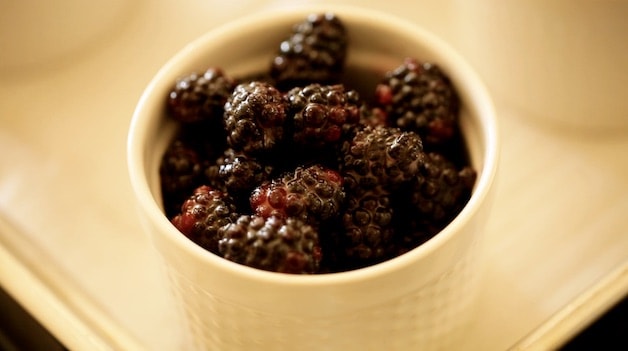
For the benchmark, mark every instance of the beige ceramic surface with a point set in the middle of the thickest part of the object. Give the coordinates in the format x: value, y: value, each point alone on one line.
x: 565, y: 61
x: 556, y: 247
x: 37, y: 34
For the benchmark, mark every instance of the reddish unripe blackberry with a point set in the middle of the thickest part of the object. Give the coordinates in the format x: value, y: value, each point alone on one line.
x: 383, y: 156
x: 203, y: 214
x: 322, y: 114
x: 368, y: 226
x: 255, y: 117
x: 440, y: 191
x: 200, y: 97
x: 312, y: 194
x: 284, y: 245
x: 314, y: 52
x: 420, y: 97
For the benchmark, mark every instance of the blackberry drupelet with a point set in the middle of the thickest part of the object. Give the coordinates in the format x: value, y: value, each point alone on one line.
x: 203, y: 214
x: 368, y: 226
x: 314, y: 52
x: 284, y: 245
x: 419, y: 97
x: 440, y: 191
x: 383, y: 156
x: 200, y: 97
x: 255, y: 118
x: 322, y: 114
x: 312, y: 194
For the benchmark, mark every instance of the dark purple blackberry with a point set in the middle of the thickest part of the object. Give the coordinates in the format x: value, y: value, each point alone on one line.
x: 410, y: 229
x: 419, y: 97
x: 383, y: 156
x: 180, y: 172
x: 200, y: 97
x: 440, y: 191
x: 312, y: 194
x: 314, y: 52
x: 322, y: 114
x: 284, y: 245
x: 372, y: 116
x: 203, y: 214
x: 255, y: 117
x: 427, y: 205
x: 212, y: 175
x: 241, y: 173
x: 368, y: 226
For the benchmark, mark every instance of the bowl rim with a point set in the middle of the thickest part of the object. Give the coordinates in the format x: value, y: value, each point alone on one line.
x: 485, y: 116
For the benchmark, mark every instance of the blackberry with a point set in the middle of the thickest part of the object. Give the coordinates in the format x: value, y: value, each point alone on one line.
x: 180, y: 172
x: 312, y: 194
x: 420, y: 97
x: 411, y: 230
x: 368, y: 226
x: 314, y: 52
x: 212, y: 175
x: 440, y: 191
x: 240, y: 173
x: 372, y: 116
x: 284, y: 245
x: 380, y: 155
x: 255, y: 117
x: 203, y: 214
x: 209, y: 140
x: 322, y: 113
x: 200, y: 97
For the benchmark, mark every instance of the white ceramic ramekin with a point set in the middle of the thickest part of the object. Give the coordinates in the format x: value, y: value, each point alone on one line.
x: 420, y: 300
